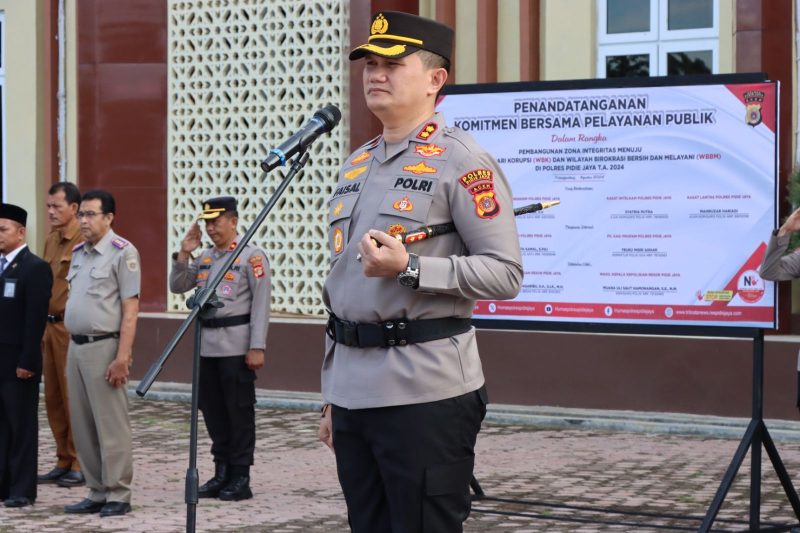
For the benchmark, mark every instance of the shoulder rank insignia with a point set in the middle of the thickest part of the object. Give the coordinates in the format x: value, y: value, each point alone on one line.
x: 420, y: 168
x: 427, y: 130
x: 119, y: 243
x: 429, y: 150
x: 360, y: 158
x: 78, y: 246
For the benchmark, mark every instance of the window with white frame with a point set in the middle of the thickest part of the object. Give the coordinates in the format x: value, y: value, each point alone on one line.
x: 657, y: 37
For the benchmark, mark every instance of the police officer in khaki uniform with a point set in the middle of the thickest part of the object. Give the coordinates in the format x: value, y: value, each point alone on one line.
x: 101, y: 314
x: 232, y: 343
x: 401, y: 370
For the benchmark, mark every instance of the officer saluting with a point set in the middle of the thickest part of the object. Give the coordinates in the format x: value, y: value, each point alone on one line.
x: 401, y: 371
x: 25, y: 282
x: 232, y: 345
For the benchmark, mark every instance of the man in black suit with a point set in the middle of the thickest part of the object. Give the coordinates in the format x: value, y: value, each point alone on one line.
x: 25, y: 284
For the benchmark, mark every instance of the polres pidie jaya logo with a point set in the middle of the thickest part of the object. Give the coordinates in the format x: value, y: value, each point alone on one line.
x: 750, y: 287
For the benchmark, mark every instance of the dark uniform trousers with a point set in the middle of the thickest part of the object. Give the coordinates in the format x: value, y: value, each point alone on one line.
x: 227, y: 398
x: 19, y: 434
x: 407, y: 468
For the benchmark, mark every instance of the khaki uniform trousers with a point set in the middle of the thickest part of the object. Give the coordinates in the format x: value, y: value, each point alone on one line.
x: 100, y: 422
x: 54, y: 366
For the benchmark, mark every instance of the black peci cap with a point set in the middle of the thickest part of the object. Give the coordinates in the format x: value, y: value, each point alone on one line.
x: 13, y: 212
x: 214, y: 207
x: 396, y: 34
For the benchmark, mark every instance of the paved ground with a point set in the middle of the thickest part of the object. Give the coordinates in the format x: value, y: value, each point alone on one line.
x: 569, y: 476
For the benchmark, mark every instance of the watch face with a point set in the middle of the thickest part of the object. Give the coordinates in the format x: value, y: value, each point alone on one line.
x: 407, y: 281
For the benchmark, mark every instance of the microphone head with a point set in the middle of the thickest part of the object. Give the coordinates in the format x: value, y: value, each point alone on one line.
x: 330, y: 116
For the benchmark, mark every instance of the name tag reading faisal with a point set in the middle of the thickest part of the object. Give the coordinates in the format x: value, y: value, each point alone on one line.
x: 10, y: 288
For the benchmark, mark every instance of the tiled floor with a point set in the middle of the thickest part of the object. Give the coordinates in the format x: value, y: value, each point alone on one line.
x: 572, y: 479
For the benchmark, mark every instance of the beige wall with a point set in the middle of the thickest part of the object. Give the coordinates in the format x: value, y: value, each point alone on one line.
x: 568, y: 39
x: 508, y: 34
x: 24, y: 99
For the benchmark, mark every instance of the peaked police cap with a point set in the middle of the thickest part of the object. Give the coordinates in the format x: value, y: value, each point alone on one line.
x: 396, y: 34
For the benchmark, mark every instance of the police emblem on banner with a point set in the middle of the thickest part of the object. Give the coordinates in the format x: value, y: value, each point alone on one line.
x: 753, y: 101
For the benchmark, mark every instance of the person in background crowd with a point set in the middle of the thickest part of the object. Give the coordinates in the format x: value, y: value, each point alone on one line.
x: 232, y: 343
x: 25, y: 283
x: 101, y: 314
x: 63, y: 201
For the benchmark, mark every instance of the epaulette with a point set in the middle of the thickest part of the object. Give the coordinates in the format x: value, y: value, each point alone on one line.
x: 427, y: 131
x: 78, y: 246
x: 119, y: 243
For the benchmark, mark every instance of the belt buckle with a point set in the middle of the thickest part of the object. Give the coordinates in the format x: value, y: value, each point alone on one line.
x: 395, y: 332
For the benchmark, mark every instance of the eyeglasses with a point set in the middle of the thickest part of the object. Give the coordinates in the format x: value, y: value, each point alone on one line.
x: 89, y: 214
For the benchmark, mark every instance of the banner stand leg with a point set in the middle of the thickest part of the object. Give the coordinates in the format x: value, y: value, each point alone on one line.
x: 755, y: 435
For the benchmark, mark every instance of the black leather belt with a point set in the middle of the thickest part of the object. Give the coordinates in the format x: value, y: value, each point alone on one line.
x: 55, y: 318
x: 84, y: 339
x: 394, y: 332
x: 225, y: 322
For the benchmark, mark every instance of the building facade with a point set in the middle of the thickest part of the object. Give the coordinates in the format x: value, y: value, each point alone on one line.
x: 165, y: 103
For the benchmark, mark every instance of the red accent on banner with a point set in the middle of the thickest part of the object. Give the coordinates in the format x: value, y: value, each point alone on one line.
x: 748, y: 95
x: 752, y: 263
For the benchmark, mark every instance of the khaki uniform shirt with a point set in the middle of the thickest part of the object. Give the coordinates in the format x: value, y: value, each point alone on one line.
x: 58, y: 252
x: 100, y: 277
x: 436, y: 175
x: 776, y: 266
x: 245, y: 289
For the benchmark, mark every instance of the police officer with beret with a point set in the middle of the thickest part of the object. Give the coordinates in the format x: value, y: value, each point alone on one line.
x: 232, y: 343
x: 401, y: 376
x: 25, y: 282
x: 101, y: 314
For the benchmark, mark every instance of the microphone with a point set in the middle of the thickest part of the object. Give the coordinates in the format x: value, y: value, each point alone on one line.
x: 323, y: 121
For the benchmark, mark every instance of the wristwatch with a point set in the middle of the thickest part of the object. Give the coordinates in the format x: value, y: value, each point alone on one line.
x: 410, y: 276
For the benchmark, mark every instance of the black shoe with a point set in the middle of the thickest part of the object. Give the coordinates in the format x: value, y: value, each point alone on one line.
x: 18, y: 501
x: 85, y: 506
x: 73, y: 478
x: 53, y: 475
x: 211, y: 488
x: 237, y: 489
x: 115, y: 509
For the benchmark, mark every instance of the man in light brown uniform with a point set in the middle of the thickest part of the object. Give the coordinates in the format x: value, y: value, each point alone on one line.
x: 101, y: 314
x: 63, y: 201
x: 401, y: 375
x: 232, y: 343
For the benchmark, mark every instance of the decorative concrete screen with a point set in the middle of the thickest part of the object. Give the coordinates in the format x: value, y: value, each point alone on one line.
x: 243, y: 76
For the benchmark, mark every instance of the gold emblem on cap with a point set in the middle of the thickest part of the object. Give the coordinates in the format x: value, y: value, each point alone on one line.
x: 206, y: 207
x: 379, y: 25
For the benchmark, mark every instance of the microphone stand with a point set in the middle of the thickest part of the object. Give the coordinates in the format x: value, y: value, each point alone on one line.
x: 204, y: 304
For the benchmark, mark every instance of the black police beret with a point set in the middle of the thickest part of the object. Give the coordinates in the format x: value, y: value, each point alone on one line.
x: 396, y: 34
x: 214, y: 207
x: 13, y: 212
